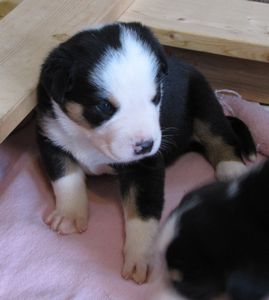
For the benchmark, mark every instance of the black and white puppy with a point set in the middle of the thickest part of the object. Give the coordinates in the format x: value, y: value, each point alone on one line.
x: 216, y: 242
x: 107, y: 105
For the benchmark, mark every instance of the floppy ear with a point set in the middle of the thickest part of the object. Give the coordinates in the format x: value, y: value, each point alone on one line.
x: 56, y: 76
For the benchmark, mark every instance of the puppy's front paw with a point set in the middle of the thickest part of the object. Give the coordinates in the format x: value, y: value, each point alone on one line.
x: 66, y: 222
x: 138, y: 254
x: 136, y: 267
x: 227, y: 170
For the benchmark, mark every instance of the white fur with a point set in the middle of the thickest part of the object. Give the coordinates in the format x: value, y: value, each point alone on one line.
x: 127, y: 75
x: 233, y: 189
x: 227, y: 170
x: 71, y: 212
x: 172, y: 225
x: 77, y: 140
x: 138, y: 250
x: 168, y: 232
x: 252, y: 157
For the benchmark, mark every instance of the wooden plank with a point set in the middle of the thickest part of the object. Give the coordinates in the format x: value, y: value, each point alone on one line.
x: 6, y: 6
x: 27, y: 34
x: 236, y: 28
x: 248, y: 78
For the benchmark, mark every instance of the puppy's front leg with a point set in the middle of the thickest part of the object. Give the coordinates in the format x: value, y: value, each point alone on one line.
x: 142, y: 188
x: 68, y: 181
x: 71, y: 212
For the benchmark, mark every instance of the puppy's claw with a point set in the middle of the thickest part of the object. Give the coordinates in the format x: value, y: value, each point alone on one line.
x: 64, y: 223
x: 137, y: 271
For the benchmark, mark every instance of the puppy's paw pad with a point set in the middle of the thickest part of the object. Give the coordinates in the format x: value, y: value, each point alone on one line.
x: 136, y: 270
x: 65, y: 223
x: 227, y: 170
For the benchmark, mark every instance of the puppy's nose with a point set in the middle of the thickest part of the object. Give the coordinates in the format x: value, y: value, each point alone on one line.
x: 143, y: 147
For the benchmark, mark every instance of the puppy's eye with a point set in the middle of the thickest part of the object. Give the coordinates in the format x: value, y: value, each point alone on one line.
x: 156, y: 99
x: 105, y: 107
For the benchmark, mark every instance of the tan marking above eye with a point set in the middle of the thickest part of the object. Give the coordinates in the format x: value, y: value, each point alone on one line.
x: 75, y: 112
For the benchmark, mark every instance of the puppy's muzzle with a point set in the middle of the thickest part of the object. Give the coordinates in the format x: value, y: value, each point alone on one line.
x: 143, y: 147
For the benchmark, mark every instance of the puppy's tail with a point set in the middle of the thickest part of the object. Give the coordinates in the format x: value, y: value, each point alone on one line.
x: 246, y: 142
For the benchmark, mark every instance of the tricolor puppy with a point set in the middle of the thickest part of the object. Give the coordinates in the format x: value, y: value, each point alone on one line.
x: 110, y: 102
x: 216, y: 242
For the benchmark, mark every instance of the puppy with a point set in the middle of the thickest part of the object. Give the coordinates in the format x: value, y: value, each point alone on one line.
x: 216, y: 242
x: 110, y: 102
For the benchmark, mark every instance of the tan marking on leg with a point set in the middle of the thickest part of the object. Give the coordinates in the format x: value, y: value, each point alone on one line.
x: 129, y: 204
x: 217, y: 150
x: 221, y: 155
x: 222, y: 297
x: 139, y: 236
x: 175, y: 275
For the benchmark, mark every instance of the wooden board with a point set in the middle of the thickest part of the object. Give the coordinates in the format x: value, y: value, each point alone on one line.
x: 236, y: 28
x: 249, y: 78
x: 27, y: 34
x: 6, y: 6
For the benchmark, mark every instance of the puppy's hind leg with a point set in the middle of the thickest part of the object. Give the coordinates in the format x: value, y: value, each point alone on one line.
x: 223, y: 156
x: 212, y: 129
x: 68, y: 181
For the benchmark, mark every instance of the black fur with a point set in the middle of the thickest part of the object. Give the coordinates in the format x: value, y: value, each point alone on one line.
x: 147, y: 176
x: 54, y: 158
x: 186, y: 95
x: 221, y: 245
x: 246, y: 142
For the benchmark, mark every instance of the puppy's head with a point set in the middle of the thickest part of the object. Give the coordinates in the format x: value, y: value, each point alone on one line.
x: 108, y: 82
x: 188, y: 273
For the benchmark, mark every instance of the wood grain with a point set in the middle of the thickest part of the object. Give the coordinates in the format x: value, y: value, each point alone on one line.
x: 236, y: 28
x: 248, y: 78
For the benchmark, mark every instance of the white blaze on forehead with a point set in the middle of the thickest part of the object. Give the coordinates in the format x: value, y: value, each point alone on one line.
x: 127, y: 73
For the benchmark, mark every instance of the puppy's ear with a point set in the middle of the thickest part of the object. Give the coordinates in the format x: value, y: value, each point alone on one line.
x: 56, y: 76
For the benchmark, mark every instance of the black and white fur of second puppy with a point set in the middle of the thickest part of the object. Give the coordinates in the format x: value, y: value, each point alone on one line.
x: 110, y: 102
x: 216, y: 242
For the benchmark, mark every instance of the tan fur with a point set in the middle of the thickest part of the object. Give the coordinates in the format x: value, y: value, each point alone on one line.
x: 75, y: 112
x: 176, y: 275
x: 129, y: 204
x: 216, y: 149
x: 70, y: 166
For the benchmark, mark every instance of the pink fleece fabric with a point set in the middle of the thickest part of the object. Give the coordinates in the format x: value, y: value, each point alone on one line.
x: 36, y: 263
x: 255, y: 116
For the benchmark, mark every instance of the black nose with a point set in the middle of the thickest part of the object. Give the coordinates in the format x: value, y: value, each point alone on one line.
x: 143, y: 147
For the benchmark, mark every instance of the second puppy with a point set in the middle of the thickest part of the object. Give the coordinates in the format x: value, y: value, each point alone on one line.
x: 216, y: 242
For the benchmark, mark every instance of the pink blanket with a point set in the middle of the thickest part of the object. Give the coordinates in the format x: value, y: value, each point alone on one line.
x: 36, y: 263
